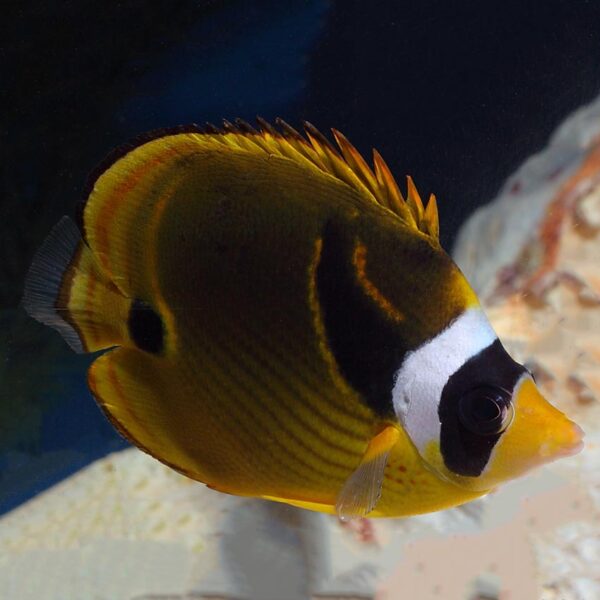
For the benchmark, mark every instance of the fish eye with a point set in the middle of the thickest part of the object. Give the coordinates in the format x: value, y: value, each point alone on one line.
x: 486, y: 410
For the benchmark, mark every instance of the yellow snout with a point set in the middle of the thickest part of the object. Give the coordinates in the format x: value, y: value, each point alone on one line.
x: 538, y: 434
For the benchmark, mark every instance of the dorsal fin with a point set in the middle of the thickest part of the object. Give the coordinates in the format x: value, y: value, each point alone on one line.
x: 375, y: 184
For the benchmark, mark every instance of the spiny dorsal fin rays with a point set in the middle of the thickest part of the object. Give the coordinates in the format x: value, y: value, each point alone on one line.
x: 381, y: 170
x: 299, y: 143
x: 384, y: 188
x: 294, y: 147
x: 375, y: 182
x: 356, y: 162
x: 414, y: 201
x: 431, y: 217
x: 288, y: 141
x: 246, y: 127
x: 323, y: 154
x: 375, y: 185
x: 337, y: 163
x: 388, y: 185
x: 326, y: 152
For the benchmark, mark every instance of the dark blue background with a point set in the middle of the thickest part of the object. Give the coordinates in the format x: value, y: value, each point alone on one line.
x: 455, y: 93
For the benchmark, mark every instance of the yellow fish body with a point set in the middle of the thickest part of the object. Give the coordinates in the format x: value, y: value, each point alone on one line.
x: 282, y: 323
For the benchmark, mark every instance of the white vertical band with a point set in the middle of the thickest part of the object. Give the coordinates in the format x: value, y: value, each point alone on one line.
x: 424, y: 372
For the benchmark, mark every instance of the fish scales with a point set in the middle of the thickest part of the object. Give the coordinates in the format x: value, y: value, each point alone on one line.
x: 250, y: 326
x: 278, y: 321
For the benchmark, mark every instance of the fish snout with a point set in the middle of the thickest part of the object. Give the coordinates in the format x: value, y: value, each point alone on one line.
x: 572, y: 442
x: 541, y: 433
x: 538, y: 434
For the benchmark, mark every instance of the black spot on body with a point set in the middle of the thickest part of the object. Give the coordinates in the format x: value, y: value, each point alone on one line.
x: 366, y: 345
x: 464, y: 452
x: 145, y: 327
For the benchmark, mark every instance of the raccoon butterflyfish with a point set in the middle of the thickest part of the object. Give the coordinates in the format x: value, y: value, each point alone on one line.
x: 280, y: 322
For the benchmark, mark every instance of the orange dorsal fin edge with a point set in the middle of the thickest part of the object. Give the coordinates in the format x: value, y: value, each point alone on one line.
x: 375, y: 184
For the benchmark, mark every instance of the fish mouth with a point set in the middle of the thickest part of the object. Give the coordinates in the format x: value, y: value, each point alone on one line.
x: 577, y: 444
x: 574, y: 450
x: 568, y: 442
x: 539, y: 434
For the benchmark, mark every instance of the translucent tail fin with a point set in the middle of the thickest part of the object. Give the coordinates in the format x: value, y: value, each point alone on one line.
x: 65, y: 289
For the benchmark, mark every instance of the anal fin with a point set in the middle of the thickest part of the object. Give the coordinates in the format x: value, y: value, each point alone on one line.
x: 362, y: 490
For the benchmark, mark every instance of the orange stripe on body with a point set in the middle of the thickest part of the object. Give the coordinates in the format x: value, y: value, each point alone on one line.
x: 153, y: 258
x: 118, y: 390
x: 317, y: 314
x: 111, y: 203
x: 89, y: 302
x: 359, y: 259
x: 118, y: 424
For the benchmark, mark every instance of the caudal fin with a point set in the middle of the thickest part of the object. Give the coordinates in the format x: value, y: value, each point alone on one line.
x: 66, y: 289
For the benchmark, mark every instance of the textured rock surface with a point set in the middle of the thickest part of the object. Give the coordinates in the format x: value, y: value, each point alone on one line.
x: 534, y: 257
x: 127, y: 527
x: 545, y: 304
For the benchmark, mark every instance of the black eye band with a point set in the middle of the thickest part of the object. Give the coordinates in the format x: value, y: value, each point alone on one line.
x: 486, y: 410
x: 476, y: 408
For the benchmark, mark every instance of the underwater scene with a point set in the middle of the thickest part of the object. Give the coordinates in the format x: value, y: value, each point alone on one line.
x: 300, y: 300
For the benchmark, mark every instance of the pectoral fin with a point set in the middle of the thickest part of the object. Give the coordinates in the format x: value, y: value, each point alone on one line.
x: 362, y: 490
